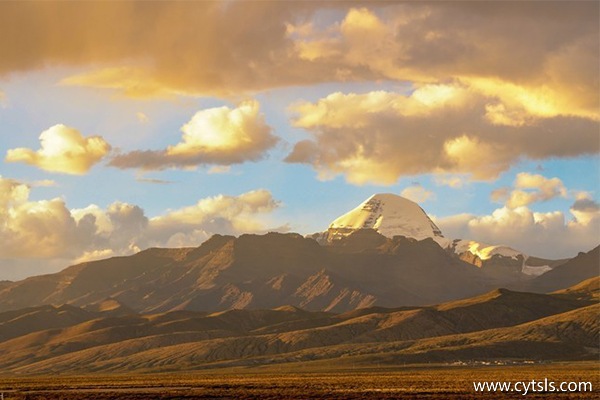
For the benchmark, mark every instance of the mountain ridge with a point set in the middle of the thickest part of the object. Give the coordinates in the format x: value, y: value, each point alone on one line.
x: 361, y: 270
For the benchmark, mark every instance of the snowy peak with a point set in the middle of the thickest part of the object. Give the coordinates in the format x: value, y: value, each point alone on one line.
x: 485, y: 251
x: 390, y: 215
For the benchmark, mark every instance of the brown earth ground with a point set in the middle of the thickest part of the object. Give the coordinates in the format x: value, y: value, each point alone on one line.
x: 297, y: 381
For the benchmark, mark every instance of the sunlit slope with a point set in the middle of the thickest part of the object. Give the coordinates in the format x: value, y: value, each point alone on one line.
x: 390, y: 215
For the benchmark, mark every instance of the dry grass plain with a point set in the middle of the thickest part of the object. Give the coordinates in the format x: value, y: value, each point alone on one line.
x: 299, y: 382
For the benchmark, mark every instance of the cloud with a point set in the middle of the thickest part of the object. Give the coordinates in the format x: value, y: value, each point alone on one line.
x: 34, y: 229
x: 141, y: 117
x: 528, y: 189
x: 12, y: 193
x: 417, y: 193
x: 222, y: 214
x: 153, y: 180
x: 216, y: 48
x: 63, y: 149
x: 435, y: 43
x: 586, y: 210
x: 47, y: 229
x: 379, y: 136
x: 219, y: 169
x: 221, y: 135
x: 233, y: 48
x: 44, y: 183
x: 546, y: 234
x: 133, y: 82
x: 551, y: 234
x: 453, y: 181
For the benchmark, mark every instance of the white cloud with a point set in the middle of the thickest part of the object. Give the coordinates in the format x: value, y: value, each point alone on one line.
x: 424, y: 43
x: 63, y: 149
x: 551, y: 234
x: 47, y: 229
x: 222, y: 214
x: 220, y: 135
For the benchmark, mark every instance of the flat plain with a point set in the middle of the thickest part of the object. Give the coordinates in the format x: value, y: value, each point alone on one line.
x: 296, y: 381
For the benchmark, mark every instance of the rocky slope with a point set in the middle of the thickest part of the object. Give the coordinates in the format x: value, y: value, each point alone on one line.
x: 497, y: 325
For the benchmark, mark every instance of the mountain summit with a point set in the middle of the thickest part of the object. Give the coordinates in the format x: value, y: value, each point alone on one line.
x: 390, y: 215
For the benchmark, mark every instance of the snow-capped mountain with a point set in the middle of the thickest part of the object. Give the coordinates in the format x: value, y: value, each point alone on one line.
x: 388, y: 214
x: 392, y: 215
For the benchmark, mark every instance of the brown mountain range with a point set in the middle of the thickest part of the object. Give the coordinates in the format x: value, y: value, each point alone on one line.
x: 500, y: 324
x: 362, y: 270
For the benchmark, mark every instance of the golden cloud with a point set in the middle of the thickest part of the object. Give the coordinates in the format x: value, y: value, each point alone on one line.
x: 528, y: 64
x: 63, y: 149
x: 528, y: 189
x: 222, y: 214
x: 221, y: 135
x: 443, y: 129
x: 542, y: 56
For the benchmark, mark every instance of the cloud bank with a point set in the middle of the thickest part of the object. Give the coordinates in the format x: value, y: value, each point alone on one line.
x: 551, y: 234
x: 515, y: 49
x: 47, y: 229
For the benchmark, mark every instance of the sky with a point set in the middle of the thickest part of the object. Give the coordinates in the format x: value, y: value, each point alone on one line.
x: 128, y: 125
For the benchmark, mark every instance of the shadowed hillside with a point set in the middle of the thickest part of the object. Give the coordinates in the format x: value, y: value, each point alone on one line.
x: 364, y: 269
x: 579, y: 268
x: 498, y: 324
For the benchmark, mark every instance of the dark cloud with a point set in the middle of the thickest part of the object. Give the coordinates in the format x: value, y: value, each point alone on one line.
x: 586, y: 205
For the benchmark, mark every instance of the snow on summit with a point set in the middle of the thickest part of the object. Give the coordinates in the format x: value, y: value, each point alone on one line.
x: 388, y: 214
x: 392, y: 215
